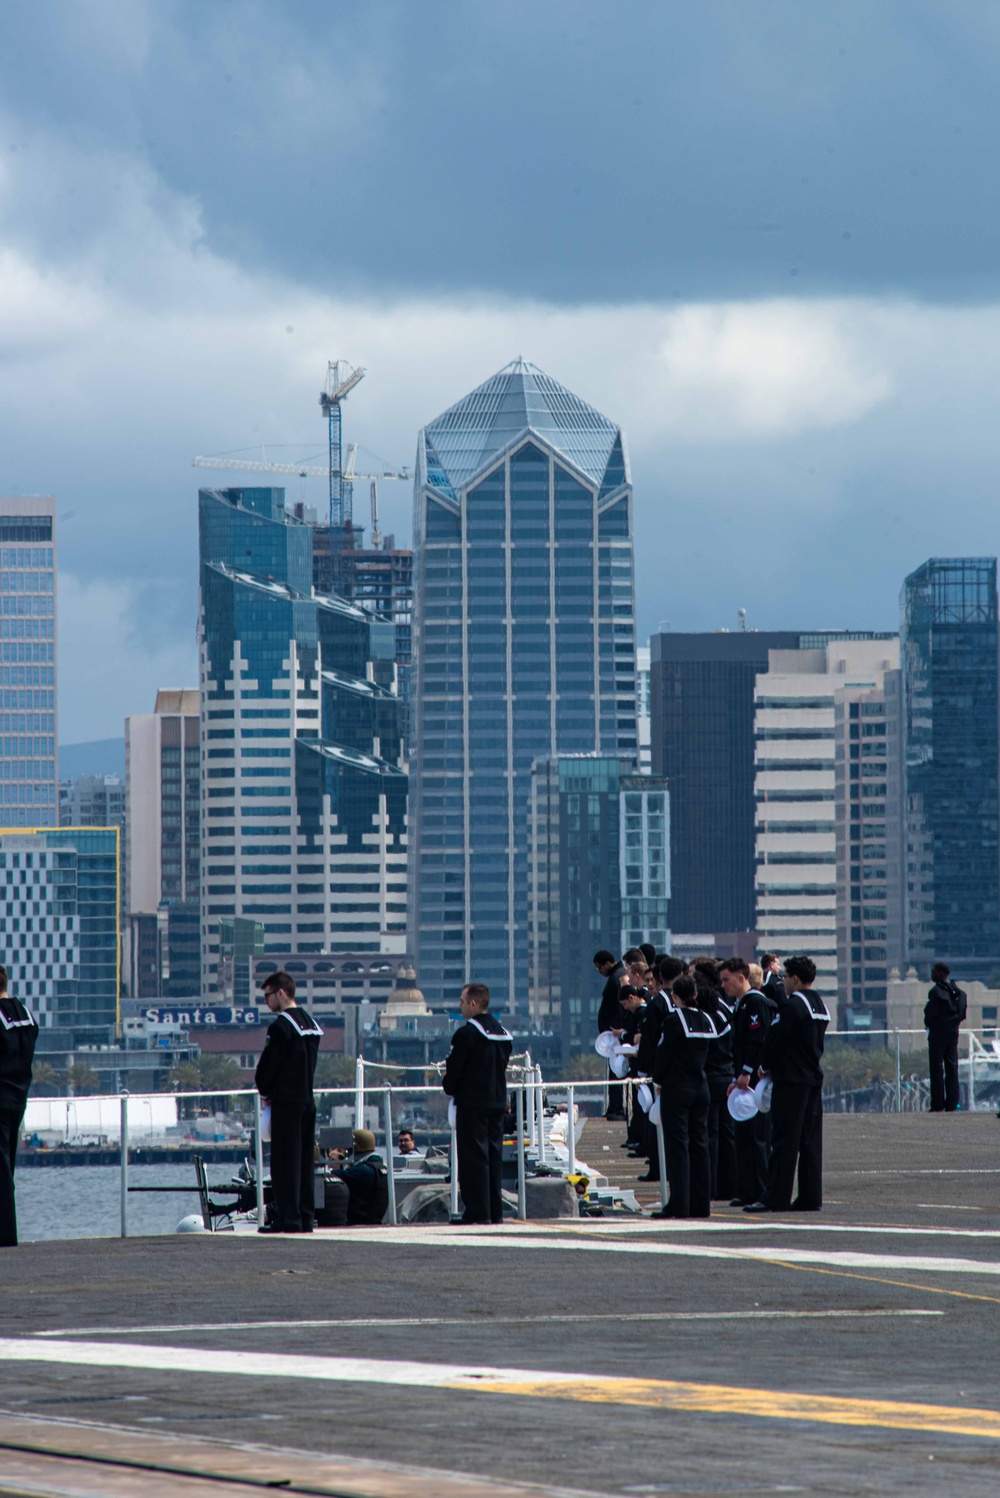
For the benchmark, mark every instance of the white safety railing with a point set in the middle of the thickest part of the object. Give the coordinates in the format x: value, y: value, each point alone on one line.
x: 979, y: 1068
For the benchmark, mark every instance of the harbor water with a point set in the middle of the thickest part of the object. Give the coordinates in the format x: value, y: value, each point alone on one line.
x: 83, y: 1201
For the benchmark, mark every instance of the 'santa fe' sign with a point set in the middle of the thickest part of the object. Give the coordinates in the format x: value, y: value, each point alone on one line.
x: 204, y: 1014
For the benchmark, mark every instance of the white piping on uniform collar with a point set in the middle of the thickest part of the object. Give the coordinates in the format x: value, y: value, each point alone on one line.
x: 14, y: 1024
x: 287, y: 1014
x: 709, y: 1034
x: 488, y: 1033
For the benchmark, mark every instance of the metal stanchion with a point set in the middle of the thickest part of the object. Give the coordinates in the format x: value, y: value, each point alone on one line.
x: 527, y: 1076
x: 899, y: 1079
x: 663, y: 1161
x: 540, y: 1107
x: 123, y: 1158
x: 972, y: 1072
x: 522, y: 1194
x: 359, y: 1093
x: 390, y: 1168
x: 258, y: 1150
x: 570, y: 1132
x: 454, y: 1171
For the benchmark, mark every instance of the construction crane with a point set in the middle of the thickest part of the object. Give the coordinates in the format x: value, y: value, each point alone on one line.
x: 340, y: 381
x: 376, y: 533
x: 263, y: 464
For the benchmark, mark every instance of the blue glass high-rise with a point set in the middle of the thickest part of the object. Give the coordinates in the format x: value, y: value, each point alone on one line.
x: 304, y: 797
x: 948, y: 654
x: 28, y: 707
x: 524, y: 647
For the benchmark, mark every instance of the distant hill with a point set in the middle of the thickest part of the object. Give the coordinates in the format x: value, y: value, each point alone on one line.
x: 98, y: 757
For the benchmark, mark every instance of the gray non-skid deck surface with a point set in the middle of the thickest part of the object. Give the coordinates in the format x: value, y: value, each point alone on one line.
x: 498, y: 1301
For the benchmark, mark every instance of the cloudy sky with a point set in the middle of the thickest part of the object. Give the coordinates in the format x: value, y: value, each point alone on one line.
x: 763, y: 237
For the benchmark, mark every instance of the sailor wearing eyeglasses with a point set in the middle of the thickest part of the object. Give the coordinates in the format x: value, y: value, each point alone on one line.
x: 284, y: 1078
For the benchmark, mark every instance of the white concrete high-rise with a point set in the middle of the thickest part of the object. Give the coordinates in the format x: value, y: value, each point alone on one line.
x: 162, y: 790
x: 795, y: 785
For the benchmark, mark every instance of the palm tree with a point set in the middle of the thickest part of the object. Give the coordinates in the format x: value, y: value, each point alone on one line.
x: 584, y: 1068
x: 45, y: 1080
x: 335, y: 1071
x: 82, y: 1079
x: 184, y: 1076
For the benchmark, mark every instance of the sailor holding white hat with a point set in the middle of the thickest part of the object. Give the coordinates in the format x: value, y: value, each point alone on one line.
x: 752, y: 1015
x: 792, y: 1059
x: 658, y: 1006
x: 679, y: 1068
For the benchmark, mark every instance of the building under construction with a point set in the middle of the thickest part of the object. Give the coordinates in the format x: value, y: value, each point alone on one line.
x: 378, y: 577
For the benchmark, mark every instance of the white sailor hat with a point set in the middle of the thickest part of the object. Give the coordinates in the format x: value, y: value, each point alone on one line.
x: 742, y: 1104
x: 619, y: 1065
x: 654, y: 1112
x: 606, y: 1043
x: 645, y: 1096
x: 762, y: 1092
x: 452, y: 1113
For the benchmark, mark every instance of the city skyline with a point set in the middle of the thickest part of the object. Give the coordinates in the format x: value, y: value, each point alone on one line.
x: 769, y: 273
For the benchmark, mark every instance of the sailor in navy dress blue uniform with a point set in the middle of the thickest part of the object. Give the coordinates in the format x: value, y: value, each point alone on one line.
x: 751, y: 1017
x: 475, y: 1076
x: 284, y: 1078
x: 793, y: 1051
x: 679, y: 1070
x: 18, y: 1033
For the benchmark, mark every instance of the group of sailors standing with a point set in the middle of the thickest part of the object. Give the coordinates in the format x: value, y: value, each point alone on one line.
x: 698, y: 1033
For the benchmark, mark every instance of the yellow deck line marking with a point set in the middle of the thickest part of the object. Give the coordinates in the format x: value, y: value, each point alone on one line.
x: 662, y: 1394
x: 765, y: 1404
x: 871, y: 1279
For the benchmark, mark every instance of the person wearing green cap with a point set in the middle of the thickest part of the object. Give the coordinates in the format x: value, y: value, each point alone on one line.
x: 366, y: 1179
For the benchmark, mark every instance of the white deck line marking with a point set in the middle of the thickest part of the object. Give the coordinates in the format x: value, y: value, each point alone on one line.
x: 601, y: 1228
x: 481, y: 1321
x: 260, y: 1365
x: 675, y: 1396
x: 445, y: 1239
x: 682, y: 1228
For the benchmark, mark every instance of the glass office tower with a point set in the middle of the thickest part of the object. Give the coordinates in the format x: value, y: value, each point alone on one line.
x: 702, y: 740
x: 303, y: 824
x: 524, y: 648
x: 597, y: 877
x: 28, y: 737
x: 948, y: 638
x: 59, y: 929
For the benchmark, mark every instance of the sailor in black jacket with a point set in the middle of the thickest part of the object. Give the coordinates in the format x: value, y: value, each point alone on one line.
x: 18, y: 1033
x: 658, y: 1006
x: 719, y: 1074
x: 611, y: 1016
x: 475, y: 1076
x: 752, y: 1015
x: 943, y: 1014
x: 679, y: 1069
x: 284, y: 1078
x: 792, y: 1058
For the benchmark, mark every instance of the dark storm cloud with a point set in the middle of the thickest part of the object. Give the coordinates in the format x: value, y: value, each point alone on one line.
x: 570, y: 150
